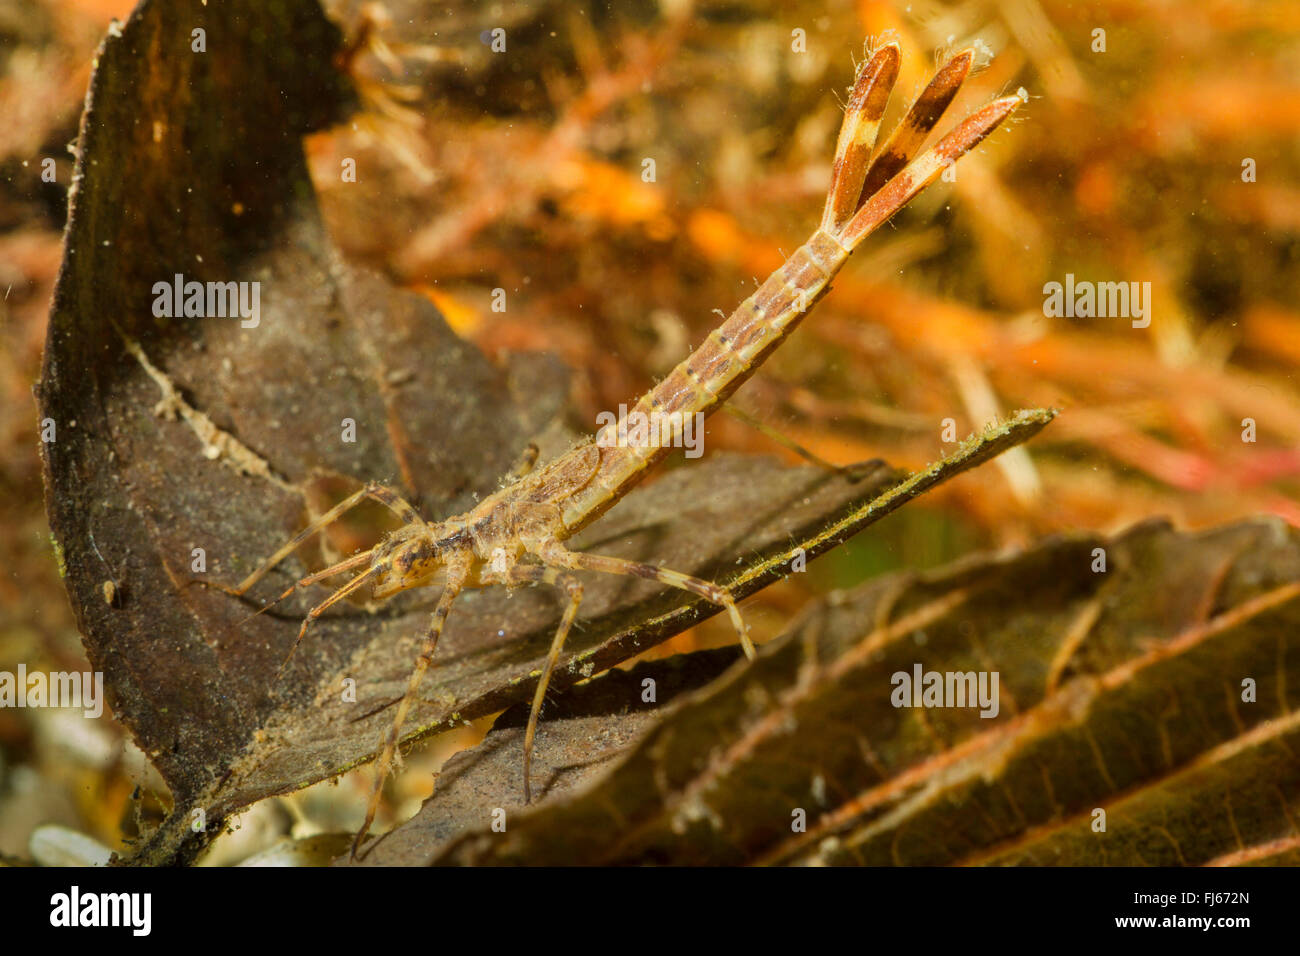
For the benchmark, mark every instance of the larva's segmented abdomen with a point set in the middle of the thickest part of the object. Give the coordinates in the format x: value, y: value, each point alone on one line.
x: 711, y: 373
x: 864, y: 193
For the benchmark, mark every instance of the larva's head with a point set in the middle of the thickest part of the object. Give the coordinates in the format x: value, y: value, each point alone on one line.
x: 412, y: 557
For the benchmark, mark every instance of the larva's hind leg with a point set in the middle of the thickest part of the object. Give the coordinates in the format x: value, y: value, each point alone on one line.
x: 556, y: 555
x: 533, y: 573
x: 852, y: 472
x: 559, y: 559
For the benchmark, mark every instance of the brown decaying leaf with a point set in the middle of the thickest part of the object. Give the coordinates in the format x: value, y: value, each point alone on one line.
x: 585, y: 729
x: 1120, y: 691
x: 188, y: 433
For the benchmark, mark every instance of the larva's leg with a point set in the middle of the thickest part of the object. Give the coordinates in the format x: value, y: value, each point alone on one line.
x: 555, y: 554
x: 909, y: 135
x: 784, y: 441
x: 394, y: 502
x: 376, y: 492
x: 524, y: 573
x: 524, y: 464
x: 455, y: 582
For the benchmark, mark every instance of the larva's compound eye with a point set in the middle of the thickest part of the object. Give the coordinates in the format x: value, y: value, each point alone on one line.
x: 406, y: 564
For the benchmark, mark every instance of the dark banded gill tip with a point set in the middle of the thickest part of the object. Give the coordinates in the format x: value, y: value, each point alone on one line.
x: 974, y: 128
x: 921, y: 172
x: 866, y: 108
x: 910, y: 134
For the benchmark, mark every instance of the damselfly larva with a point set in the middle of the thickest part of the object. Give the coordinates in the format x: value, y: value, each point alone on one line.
x: 516, y: 536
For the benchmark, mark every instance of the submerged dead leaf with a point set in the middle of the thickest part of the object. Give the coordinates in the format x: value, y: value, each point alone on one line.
x: 190, y: 448
x: 1142, y: 719
x: 585, y: 729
